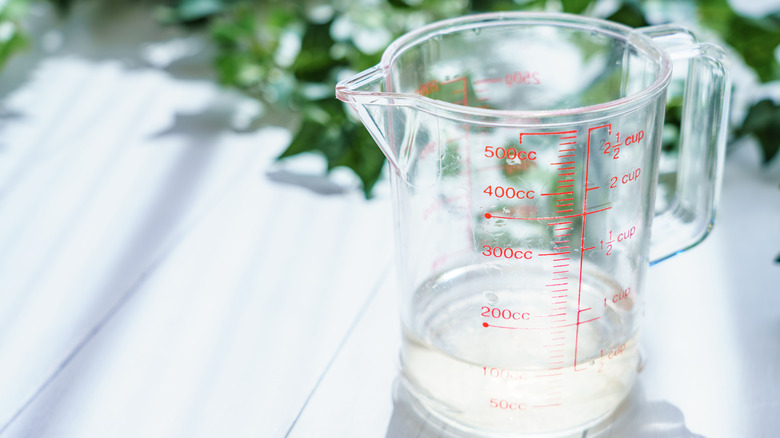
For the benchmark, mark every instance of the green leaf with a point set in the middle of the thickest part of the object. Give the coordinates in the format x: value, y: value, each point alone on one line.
x: 506, y: 5
x: 763, y: 122
x: 12, y: 37
x: 630, y: 14
x: 326, y: 129
x: 754, y: 38
x: 314, y: 61
x: 575, y: 6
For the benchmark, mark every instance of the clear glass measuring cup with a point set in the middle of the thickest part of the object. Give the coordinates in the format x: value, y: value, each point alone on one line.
x: 524, y: 150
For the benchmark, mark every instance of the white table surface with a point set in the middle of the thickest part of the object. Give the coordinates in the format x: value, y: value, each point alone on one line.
x: 162, y: 276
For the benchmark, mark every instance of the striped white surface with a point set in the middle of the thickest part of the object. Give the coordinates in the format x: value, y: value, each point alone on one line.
x: 156, y: 282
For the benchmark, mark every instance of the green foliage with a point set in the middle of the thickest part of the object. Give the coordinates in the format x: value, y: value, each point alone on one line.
x: 12, y: 37
x: 763, y: 121
x: 755, y: 39
x: 248, y: 38
x: 289, y: 54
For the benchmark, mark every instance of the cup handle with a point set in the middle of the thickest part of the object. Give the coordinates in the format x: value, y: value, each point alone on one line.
x: 702, y: 141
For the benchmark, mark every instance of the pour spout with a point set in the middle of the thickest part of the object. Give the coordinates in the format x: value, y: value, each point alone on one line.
x: 367, y: 93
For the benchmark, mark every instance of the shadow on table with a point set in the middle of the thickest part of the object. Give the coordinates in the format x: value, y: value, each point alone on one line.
x: 636, y: 418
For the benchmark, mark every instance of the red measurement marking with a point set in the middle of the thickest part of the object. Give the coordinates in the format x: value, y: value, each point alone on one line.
x: 453, y: 80
x: 566, y: 180
x: 488, y: 216
x: 560, y: 266
x: 486, y: 325
x: 567, y: 150
x: 588, y: 249
x: 557, y: 194
x: 566, y: 186
x: 591, y: 188
x: 561, y: 223
x: 557, y: 284
x: 566, y: 174
x: 568, y: 143
x: 561, y: 164
x: 487, y: 81
x: 568, y: 138
x: 566, y: 156
x: 566, y: 168
x: 564, y: 211
x: 545, y: 133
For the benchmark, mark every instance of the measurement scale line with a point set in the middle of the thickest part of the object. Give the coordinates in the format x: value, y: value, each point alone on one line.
x: 568, y: 150
x: 562, y: 163
x: 568, y: 142
x: 567, y: 168
x: 453, y: 80
x: 488, y: 81
x: 557, y: 194
x: 486, y: 325
x: 582, y: 245
x: 488, y: 216
x: 544, y: 133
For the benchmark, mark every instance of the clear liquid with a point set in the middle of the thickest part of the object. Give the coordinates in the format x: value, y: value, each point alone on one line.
x: 533, y: 369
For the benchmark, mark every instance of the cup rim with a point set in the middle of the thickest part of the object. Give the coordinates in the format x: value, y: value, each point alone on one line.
x: 630, y: 35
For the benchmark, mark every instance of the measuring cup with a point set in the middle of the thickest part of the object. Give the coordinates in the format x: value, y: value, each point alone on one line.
x: 524, y: 152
